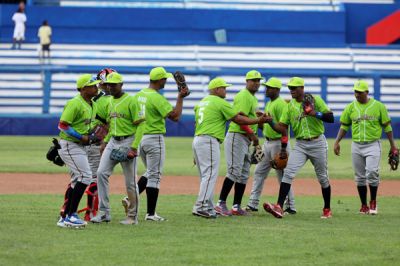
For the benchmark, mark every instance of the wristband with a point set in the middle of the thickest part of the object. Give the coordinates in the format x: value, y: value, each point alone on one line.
x: 247, y: 129
x: 284, y: 141
x: 319, y: 115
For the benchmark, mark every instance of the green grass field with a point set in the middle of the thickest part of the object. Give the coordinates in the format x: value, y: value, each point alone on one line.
x: 27, y: 154
x: 29, y: 235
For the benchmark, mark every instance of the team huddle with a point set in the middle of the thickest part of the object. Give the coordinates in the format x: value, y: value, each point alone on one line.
x: 103, y: 126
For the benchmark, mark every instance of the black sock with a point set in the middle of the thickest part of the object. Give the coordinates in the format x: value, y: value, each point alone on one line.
x: 77, y: 194
x: 326, y: 194
x: 373, y: 191
x: 152, y: 196
x: 362, y: 192
x: 67, y: 202
x: 226, y: 188
x: 239, y: 191
x: 142, y: 183
x: 283, y: 192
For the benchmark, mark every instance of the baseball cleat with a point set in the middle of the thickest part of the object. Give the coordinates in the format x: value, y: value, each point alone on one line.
x: 129, y: 221
x: 273, y: 209
x: 364, y: 209
x: 61, y: 223
x: 251, y: 209
x: 289, y: 211
x: 205, y: 214
x: 221, y: 209
x: 373, y: 207
x: 326, y: 213
x: 73, y: 220
x: 236, y: 210
x: 125, y: 204
x: 154, y: 218
x: 101, y: 217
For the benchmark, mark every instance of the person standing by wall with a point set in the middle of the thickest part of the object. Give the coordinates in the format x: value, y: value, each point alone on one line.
x: 44, y: 34
x: 19, y: 19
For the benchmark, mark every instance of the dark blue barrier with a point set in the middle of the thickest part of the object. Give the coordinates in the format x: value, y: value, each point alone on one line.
x: 180, y: 26
x: 47, y: 125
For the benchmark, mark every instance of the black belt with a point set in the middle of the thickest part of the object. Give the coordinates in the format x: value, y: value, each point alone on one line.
x: 312, y: 138
x: 119, y: 138
x: 271, y: 139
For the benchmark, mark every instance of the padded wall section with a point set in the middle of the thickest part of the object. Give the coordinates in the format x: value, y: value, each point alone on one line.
x: 180, y: 26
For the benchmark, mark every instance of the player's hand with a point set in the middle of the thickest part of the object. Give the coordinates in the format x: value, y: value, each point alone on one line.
x: 85, y: 139
x: 253, y: 138
x: 308, y: 109
x: 132, y: 153
x: 336, y: 148
x: 259, y: 113
x: 183, y: 92
x: 265, y: 119
x: 311, y: 113
x: 283, y: 153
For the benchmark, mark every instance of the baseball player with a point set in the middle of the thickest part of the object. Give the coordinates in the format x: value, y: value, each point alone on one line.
x: 237, y: 144
x: 211, y: 115
x: 122, y: 117
x: 366, y: 117
x: 306, y: 121
x: 94, y: 150
x: 272, y: 146
x: 155, y: 108
x: 75, y: 124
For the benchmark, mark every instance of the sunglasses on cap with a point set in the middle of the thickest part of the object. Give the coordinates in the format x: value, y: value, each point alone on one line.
x: 92, y: 79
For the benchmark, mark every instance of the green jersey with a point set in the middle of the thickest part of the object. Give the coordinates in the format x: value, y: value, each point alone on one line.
x: 122, y: 112
x: 366, y: 120
x: 154, y: 108
x: 275, y: 109
x: 304, y: 127
x: 211, y: 115
x: 102, y: 106
x: 79, y: 115
x: 247, y: 103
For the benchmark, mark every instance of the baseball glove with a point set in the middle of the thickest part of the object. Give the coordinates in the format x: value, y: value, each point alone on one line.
x: 123, y: 154
x: 280, y: 160
x: 257, y: 155
x: 181, y: 82
x: 308, y: 103
x: 52, y: 155
x: 393, y: 159
x: 98, y: 133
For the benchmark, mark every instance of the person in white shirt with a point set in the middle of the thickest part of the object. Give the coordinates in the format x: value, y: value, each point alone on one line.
x: 44, y: 34
x: 19, y: 19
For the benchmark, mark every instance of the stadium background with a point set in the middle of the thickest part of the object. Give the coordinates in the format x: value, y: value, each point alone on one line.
x: 322, y: 41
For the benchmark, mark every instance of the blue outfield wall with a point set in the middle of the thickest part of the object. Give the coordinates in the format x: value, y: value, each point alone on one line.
x: 179, y: 26
x: 47, y: 125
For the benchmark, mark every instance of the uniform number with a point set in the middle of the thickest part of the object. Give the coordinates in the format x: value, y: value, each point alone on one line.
x: 142, y: 112
x: 201, y: 114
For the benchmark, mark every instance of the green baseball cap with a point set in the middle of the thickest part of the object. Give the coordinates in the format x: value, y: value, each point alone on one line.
x: 158, y: 73
x: 86, y: 80
x: 253, y: 74
x: 114, y: 78
x: 361, y: 86
x: 217, y: 82
x: 296, y: 82
x: 273, y: 83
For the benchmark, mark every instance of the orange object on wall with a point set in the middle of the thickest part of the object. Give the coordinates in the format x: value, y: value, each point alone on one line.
x: 385, y: 31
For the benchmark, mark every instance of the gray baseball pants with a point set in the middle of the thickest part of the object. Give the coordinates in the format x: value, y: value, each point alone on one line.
x: 105, y: 170
x: 94, y: 160
x: 75, y: 157
x: 270, y: 148
x: 207, y: 153
x: 237, y: 157
x: 317, y: 151
x: 366, y: 158
x: 152, y: 152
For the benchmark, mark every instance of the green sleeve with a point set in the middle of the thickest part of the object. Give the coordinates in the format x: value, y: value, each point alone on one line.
x: 320, y: 105
x: 384, y: 114
x: 69, y: 113
x: 345, y: 117
x: 163, y: 106
x: 227, y: 110
x: 285, y: 119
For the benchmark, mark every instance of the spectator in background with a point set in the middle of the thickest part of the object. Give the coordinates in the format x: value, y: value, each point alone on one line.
x: 19, y: 19
x: 44, y: 35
